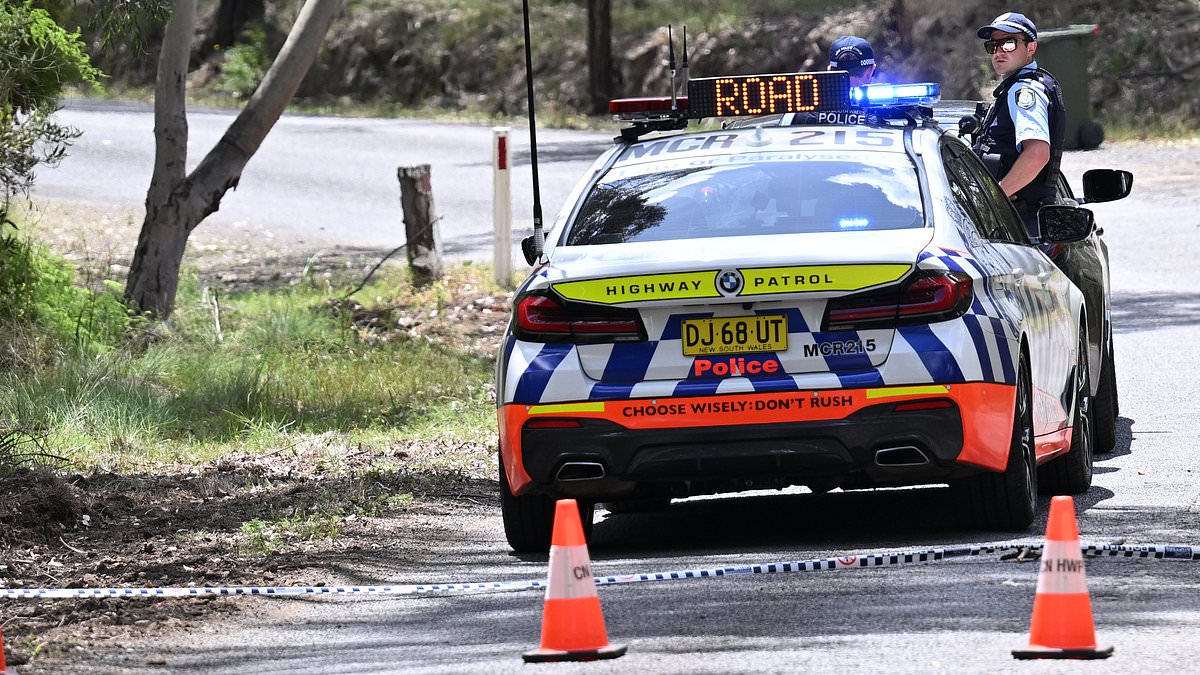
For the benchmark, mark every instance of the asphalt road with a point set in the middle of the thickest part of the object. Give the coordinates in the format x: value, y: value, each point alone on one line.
x: 957, y: 616
x: 325, y: 181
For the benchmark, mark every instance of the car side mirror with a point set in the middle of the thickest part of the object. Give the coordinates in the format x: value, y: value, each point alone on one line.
x: 529, y: 250
x: 1065, y: 224
x: 1106, y: 185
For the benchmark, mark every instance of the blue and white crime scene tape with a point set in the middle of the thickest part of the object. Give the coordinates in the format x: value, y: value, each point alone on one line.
x: 843, y: 562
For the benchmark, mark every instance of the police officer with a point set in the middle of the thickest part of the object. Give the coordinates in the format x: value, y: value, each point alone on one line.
x: 1022, y: 135
x: 855, y: 56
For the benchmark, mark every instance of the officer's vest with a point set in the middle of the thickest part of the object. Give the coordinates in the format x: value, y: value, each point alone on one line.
x: 1000, y: 136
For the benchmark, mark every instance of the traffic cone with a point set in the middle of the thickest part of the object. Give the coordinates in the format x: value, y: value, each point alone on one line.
x: 3, y: 668
x: 572, y: 623
x: 1062, y: 612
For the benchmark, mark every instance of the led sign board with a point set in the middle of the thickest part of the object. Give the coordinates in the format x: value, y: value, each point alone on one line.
x: 741, y: 95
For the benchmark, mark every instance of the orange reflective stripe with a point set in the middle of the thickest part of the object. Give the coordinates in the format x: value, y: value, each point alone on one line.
x: 987, y: 416
x: 986, y: 411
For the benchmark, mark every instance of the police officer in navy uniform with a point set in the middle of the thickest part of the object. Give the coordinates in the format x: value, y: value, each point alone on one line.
x: 1021, y: 139
x: 855, y: 56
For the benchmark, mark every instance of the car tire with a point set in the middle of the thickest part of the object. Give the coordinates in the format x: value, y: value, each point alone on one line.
x: 644, y: 505
x: 1105, y: 407
x: 1007, y: 500
x: 1072, y: 473
x: 529, y: 519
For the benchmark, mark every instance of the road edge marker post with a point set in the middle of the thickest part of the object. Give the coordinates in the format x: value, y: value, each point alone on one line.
x: 572, y: 621
x: 502, y: 207
x: 1062, y: 627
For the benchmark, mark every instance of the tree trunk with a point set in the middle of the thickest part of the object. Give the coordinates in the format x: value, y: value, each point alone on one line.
x: 420, y: 225
x: 599, y: 47
x: 177, y: 202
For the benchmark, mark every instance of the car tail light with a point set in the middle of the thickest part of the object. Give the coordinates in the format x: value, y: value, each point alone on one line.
x: 542, y: 318
x: 926, y: 297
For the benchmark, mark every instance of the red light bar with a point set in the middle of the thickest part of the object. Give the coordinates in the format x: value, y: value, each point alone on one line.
x: 647, y: 108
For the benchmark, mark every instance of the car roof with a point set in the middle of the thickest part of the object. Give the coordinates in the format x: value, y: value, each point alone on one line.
x: 768, y: 137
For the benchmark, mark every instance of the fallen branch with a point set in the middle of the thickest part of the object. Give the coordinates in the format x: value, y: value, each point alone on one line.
x: 367, y: 278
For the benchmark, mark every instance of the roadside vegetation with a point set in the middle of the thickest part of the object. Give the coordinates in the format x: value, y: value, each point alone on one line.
x: 247, y: 371
x: 269, y: 433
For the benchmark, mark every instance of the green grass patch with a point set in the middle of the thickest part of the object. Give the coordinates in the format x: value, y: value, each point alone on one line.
x: 284, y: 366
x: 269, y: 536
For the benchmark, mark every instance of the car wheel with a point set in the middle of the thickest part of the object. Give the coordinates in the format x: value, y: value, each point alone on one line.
x: 1007, y: 500
x: 529, y: 519
x: 1072, y: 473
x: 1104, y: 407
x: 644, y: 505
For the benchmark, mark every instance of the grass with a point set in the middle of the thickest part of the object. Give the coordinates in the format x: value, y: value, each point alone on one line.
x: 1158, y: 128
x: 284, y: 367
x: 268, y: 536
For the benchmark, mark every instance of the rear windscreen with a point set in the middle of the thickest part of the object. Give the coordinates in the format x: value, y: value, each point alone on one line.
x: 739, y: 195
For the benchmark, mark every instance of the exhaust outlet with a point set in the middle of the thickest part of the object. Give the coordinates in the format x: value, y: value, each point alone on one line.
x: 905, y: 455
x: 570, y: 471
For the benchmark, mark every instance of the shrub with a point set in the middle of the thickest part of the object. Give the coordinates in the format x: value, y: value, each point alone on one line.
x: 37, y: 292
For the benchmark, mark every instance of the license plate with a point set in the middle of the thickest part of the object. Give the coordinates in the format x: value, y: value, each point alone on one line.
x: 735, y: 335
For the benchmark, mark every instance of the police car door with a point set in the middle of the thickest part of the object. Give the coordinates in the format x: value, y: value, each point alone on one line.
x: 1021, y: 278
x: 1042, y: 290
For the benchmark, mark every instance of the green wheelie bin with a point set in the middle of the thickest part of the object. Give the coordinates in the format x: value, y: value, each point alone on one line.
x: 1064, y: 52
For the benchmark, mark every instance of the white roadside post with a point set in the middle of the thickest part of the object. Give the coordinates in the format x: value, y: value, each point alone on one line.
x: 501, y: 207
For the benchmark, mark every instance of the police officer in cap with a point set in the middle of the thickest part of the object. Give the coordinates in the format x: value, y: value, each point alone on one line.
x: 855, y: 56
x: 1022, y: 135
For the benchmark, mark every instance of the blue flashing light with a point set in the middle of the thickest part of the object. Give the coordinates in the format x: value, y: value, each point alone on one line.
x: 853, y: 223
x: 878, y: 95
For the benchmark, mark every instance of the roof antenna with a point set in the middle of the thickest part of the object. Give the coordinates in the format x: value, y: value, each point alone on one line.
x: 538, y: 240
x: 671, y: 65
x: 685, y: 62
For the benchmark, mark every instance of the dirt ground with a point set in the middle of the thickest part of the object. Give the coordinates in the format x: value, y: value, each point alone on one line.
x: 325, y: 511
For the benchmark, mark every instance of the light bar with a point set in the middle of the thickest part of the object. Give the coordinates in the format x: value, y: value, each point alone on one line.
x: 643, y: 109
x: 876, y: 95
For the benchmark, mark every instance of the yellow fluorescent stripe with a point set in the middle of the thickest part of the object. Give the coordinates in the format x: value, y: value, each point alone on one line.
x: 679, y: 285
x: 814, y: 278
x: 566, y: 408
x: 892, y: 392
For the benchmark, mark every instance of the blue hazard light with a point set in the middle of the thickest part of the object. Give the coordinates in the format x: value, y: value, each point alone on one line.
x: 853, y: 223
x: 873, y: 95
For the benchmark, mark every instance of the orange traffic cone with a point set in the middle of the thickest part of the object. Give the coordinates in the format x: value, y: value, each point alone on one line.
x: 572, y: 623
x: 1062, y: 612
x: 3, y: 668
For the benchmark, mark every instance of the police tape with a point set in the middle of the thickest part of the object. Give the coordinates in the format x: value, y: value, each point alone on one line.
x: 852, y: 561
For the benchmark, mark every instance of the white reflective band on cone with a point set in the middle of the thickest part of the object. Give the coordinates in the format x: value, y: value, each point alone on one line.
x: 1061, y: 570
x: 570, y: 573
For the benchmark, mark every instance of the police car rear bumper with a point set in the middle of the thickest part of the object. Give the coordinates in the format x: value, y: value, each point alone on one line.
x: 696, y: 445
x: 873, y: 446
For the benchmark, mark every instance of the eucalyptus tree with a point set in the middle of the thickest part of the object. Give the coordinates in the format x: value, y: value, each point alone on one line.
x: 177, y: 201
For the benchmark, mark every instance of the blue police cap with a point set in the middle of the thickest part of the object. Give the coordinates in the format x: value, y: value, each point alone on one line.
x: 1009, y: 22
x: 849, y: 51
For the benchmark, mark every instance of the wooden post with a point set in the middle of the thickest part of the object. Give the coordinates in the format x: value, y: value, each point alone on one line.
x: 420, y: 225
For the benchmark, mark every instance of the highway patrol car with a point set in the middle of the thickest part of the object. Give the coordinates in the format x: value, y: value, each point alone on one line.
x: 835, y: 294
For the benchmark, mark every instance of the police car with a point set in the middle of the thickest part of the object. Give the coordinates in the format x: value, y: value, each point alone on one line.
x: 830, y: 293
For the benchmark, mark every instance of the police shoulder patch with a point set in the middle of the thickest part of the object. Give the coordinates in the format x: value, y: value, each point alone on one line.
x: 1025, y: 98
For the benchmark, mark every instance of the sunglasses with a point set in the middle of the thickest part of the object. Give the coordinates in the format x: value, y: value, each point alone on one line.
x: 1007, y: 45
